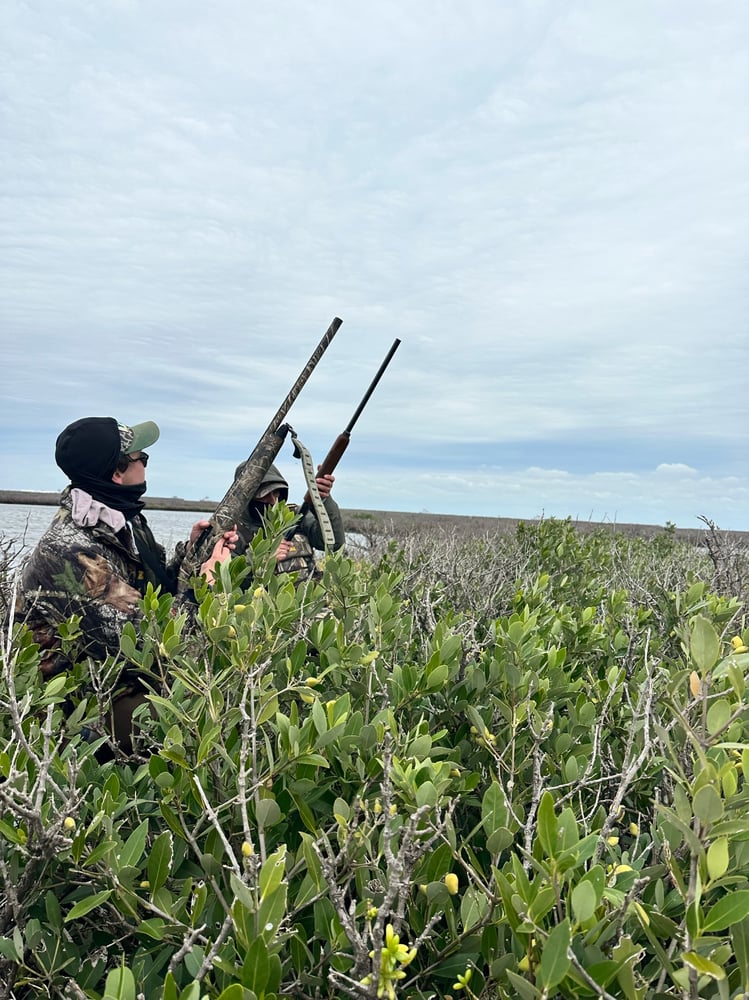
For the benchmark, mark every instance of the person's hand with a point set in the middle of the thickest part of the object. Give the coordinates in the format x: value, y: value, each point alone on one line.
x: 283, y: 550
x: 325, y: 485
x: 220, y: 552
x: 197, y: 530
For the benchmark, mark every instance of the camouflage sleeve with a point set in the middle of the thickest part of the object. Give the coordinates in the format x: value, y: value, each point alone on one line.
x: 310, y: 526
x: 80, y: 581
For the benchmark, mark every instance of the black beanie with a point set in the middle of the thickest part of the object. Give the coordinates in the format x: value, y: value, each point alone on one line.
x: 89, y: 448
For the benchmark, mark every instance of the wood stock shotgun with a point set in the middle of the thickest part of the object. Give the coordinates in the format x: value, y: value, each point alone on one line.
x: 341, y: 443
x: 229, y: 510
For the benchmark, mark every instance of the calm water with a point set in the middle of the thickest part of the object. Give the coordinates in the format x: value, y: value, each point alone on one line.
x: 24, y: 524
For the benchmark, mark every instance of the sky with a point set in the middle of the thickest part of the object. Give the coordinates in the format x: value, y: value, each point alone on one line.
x: 546, y: 201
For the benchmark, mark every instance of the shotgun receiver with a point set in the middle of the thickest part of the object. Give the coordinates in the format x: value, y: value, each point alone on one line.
x: 341, y: 443
x: 244, y: 487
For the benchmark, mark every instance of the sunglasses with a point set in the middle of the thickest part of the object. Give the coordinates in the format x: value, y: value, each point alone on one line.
x: 143, y: 457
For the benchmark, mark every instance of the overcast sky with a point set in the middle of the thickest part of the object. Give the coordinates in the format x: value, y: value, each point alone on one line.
x: 546, y: 201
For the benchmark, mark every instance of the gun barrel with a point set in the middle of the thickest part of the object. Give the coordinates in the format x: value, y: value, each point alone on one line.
x: 373, y: 386
x: 229, y: 510
x: 303, y: 376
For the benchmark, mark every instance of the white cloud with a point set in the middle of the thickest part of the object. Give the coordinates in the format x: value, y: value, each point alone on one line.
x: 548, y: 205
x: 675, y: 469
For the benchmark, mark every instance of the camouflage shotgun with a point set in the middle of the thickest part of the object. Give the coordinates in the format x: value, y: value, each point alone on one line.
x: 244, y: 487
x: 341, y: 443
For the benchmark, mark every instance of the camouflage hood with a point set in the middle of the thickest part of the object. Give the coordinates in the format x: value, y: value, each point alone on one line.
x: 272, y: 480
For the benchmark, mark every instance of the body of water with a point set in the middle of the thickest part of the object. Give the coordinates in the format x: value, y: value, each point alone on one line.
x: 24, y: 524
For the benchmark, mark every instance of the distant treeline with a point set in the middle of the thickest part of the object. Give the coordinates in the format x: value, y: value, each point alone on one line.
x: 400, y: 522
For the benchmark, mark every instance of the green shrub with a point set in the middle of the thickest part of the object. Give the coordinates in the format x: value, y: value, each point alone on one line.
x: 393, y: 785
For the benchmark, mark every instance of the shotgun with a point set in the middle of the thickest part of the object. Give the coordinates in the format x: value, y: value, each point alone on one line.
x: 244, y: 487
x: 341, y: 443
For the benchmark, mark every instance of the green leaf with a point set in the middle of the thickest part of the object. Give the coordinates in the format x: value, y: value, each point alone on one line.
x: 267, y: 813
x: 703, y: 965
x: 314, y: 869
x: 717, y: 858
x: 271, y: 874
x: 271, y: 912
x: 120, y: 985
x: 191, y: 992
x: 542, y: 904
x: 707, y: 805
x: 729, y: 910
x: 256, y: 967
x: 207, y: 742
x: 426, y: 794
x: 584, y: 901
x: 160, y: 861
x: 438, y: 677
x: 473, y: 906
x: 499, y: 840
x: 84, y: 906
x: 8, y: 950
x: 319, y: 717
x: 134, y: 846
x: 153, y: 927
x: 455, y: 964
x: 547, y: 825
x: 493, y: 809
x: 234, y: 992
x: 15, y: 836
x: 524, y: 989
x: 55, y: 686
x: 740, y: 941
x: 704, y: 645
x: 305, y: 813
x: 596, y: 876
x: 555, y: 960
x: 718, y: 715
x: 315, y: 759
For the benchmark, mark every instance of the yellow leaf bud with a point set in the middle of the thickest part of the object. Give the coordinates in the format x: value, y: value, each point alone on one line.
x: 451, y: 883
x: 313, y: 682
x: 612, y: 840
x: 247, y: 849
x: 239, y: 608
x: 695, y: 685
x: 634, y: 829
x: 258, y: 591
x: 68, y: 824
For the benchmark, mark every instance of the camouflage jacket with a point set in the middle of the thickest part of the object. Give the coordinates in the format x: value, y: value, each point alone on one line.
x: 86, y: 565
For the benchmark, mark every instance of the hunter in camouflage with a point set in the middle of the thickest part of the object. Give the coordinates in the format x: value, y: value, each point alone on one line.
x: 99, y: 554
x: 294, y: 555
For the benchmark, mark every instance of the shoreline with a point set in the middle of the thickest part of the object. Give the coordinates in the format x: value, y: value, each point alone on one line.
x: 399, y: 522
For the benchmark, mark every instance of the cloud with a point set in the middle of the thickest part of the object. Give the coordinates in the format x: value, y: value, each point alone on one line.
x: 548, y: 205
